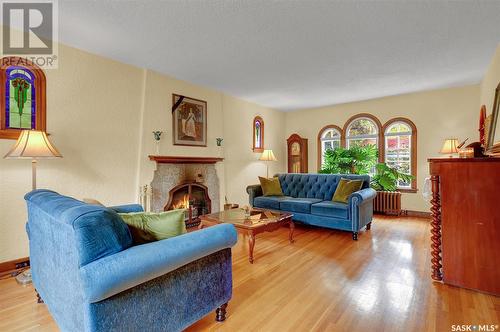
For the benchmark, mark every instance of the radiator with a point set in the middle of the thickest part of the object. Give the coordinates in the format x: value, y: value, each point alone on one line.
x: 387, y: 202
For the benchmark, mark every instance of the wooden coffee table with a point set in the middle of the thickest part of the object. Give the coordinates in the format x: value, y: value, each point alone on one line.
x: 259, y: 221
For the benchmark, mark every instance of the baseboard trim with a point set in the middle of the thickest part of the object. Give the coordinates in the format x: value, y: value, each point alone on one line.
x: 13, y: 265
x: 417, y: 214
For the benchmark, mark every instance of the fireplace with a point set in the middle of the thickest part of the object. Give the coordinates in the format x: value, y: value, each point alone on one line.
x: 191, y: 196
x: 185, y: 182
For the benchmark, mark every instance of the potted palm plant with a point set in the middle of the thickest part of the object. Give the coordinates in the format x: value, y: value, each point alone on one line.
x: 385, y: 182
x: 363, y: 160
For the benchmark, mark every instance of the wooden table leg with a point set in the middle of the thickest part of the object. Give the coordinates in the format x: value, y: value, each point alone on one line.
x: 200, y: 226
x: 251, y: 244
x: 292, y: 228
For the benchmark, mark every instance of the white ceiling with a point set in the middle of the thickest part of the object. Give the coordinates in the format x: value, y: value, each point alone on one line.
x: 291, y: 55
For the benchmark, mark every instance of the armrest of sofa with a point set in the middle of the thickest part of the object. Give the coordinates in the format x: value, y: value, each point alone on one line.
x: 361, y: 196
x: 113, y: 274
x: 253, y: 191
x: 127, y: 208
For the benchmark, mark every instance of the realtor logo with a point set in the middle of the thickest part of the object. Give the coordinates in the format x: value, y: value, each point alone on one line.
x: 30, y: 31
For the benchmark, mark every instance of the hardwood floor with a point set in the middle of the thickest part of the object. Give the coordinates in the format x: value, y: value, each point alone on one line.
x: 322, y: 282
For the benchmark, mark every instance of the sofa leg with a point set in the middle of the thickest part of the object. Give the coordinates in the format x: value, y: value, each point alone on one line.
x: 369, y: 226
x: 220, y: 313
x: 38, y: 298
x: 355, y: 236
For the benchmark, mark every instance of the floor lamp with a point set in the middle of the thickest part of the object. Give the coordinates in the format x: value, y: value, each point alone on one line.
x: 32, y: 144
x: 267, y: 156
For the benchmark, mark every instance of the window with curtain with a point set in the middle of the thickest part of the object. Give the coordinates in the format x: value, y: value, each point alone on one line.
x: 362, y: 131
x: 329, y: 139
x: 400, y: 148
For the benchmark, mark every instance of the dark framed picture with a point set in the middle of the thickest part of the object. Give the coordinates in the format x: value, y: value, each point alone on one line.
x: 189, y: 121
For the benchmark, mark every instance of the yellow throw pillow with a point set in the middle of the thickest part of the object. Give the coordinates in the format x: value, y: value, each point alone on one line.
x: 345, y: 189
x: 271, y: 186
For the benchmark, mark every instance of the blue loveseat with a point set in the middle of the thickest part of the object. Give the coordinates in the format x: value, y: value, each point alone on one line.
x: 92, y: 278
x: 309, y: 198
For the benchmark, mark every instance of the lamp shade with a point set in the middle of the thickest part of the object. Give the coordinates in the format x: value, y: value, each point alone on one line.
x: 33, y: 144
x: 449, y: 146
x: 267, y: 155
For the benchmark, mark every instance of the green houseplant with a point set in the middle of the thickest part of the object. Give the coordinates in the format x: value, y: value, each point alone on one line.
x: 355, y: 160
x: 362, y: 160
x: 386, y: 178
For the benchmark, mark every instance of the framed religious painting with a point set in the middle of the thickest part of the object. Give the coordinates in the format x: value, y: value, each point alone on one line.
x: 189, y: 121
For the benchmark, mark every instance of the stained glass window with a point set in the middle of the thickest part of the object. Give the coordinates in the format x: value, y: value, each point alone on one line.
x: 20, y: 112
x: 258, y: 134
x: 23, y: 102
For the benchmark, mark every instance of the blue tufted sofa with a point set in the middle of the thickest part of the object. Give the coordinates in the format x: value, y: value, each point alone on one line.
x: 309, y: 198
x: 92, y: 278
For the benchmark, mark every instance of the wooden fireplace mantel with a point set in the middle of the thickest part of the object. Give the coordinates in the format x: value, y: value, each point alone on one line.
x: 184, y: 160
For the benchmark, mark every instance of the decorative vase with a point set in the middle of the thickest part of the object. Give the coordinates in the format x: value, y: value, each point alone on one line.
x: 157, y: 137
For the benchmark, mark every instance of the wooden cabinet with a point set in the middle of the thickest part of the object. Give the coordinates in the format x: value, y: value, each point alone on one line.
x: 465, y: 241
x: 297, y: 154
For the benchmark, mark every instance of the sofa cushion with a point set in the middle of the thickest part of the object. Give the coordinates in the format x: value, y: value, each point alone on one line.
x: 148, y: 227
x: 271, y: 186
x: 269, y: 202
x: 345, y: 188
x: 302, y: 205
x: 320, y: 186
x: 330, y: 209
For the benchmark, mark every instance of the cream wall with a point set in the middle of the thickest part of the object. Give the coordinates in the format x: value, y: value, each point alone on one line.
x: 241, y: 163
x: 92, y: 117
x: 490, y: 82
x: 101, y: 114
x: 156, y: 115
x: 437, y: 114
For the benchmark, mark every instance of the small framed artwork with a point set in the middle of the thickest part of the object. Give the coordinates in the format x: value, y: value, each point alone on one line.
x: 189, y: 121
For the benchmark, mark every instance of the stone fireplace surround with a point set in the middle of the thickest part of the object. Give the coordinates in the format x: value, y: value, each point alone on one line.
x: 171, y: 171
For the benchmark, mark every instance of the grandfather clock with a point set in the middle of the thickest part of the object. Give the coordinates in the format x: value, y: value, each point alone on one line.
x: 297, y: 154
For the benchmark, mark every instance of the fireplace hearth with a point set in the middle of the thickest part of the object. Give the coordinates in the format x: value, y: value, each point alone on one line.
x: 186, y: 182
x: 191, y: 196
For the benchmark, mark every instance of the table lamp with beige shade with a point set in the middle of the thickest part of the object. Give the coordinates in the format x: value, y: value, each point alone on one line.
x: 32, y: 144
x: 450, y: 147
x: 267, y: 156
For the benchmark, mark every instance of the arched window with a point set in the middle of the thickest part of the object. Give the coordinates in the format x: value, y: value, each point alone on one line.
x: 363, y: 129
x: 329, y: 138
x: 22, y: 97
x: 400, y: 146
x: 258, y: 134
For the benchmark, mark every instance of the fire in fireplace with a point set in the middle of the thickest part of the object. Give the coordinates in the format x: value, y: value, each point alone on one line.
x: 191, y: 196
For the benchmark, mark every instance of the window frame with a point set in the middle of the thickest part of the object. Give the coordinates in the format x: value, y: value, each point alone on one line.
x: 261, y: 121
x: 319, y: 141
x: 379, y: 135
x: 40, y: 95
x: 413, y: 149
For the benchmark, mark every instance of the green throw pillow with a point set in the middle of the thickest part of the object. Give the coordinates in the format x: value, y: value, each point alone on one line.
x: 271, y: 186
x: 345, y: 188
x: 148, y: 227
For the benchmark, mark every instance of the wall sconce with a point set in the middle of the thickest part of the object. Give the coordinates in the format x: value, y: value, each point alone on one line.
x: 219, y: 140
